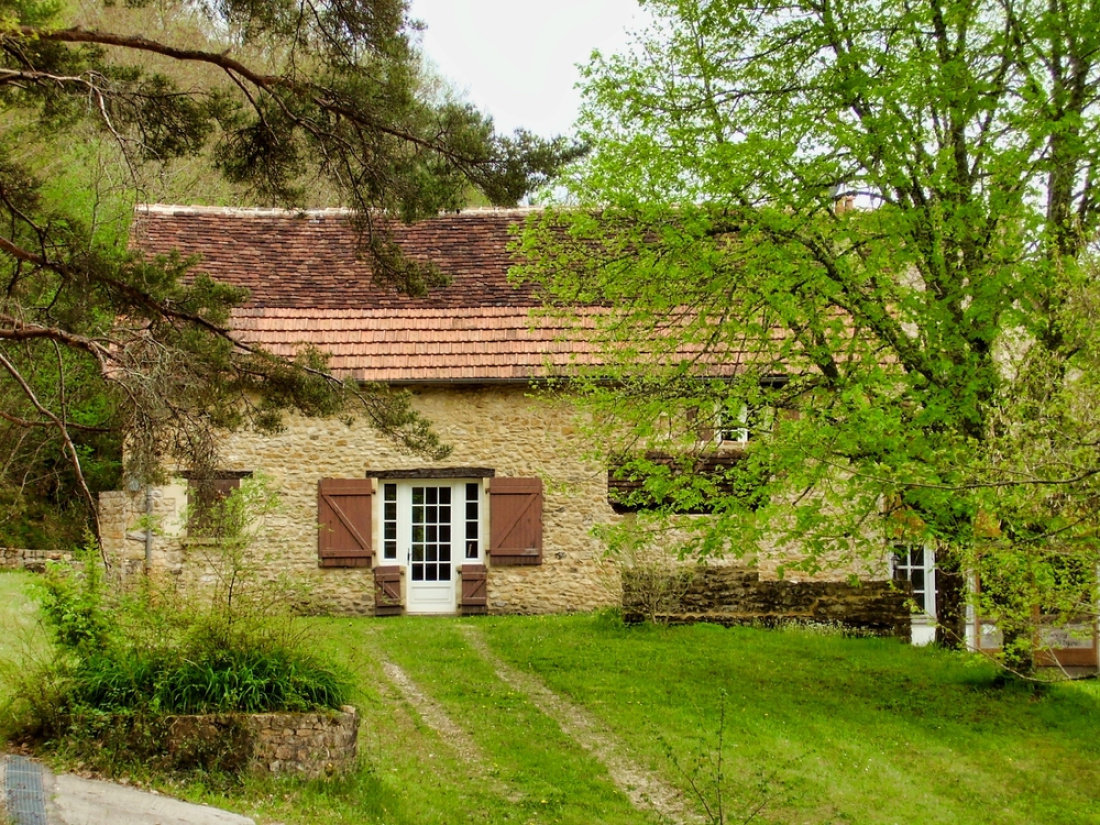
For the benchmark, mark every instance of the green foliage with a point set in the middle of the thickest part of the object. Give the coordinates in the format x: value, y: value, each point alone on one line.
x: 872, y: 219
x: 185, y: 661
x: 248, y: 679
x: 142, y: 652
x: 286, y: 104
x: 74, y: 605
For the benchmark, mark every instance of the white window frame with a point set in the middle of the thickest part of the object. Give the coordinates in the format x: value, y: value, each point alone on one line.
x: 468, y: 519
x: 728, y: 432
x: 924, y: 623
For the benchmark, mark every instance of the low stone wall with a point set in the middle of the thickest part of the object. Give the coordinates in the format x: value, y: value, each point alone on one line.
x: 304, y: 744
x: 15, y: 558
x: 736, y: 596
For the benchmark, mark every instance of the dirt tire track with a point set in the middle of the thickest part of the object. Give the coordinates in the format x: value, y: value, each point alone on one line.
x: 646, y: 790
x: 433, y: 715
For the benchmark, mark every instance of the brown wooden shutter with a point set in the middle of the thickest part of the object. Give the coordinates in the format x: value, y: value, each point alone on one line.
x: 703, y: 427
x: 344, y: 519
x: 515, y: 529
x: 475, y: 596
x: 387, y: 591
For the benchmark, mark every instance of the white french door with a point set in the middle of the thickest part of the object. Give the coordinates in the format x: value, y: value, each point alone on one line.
x: 432, y: 527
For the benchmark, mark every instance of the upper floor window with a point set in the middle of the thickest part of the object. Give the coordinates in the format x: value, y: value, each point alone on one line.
x: 732, y: 428
x: 735, y: 427
x: 736, y: 422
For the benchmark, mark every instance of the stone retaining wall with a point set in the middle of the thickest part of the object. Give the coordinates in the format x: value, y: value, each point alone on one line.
x: 736, y: 596
x: 15, y: 558
x: 305, y: 744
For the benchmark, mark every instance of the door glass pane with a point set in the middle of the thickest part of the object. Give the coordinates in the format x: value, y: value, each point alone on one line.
x: 916, y: 576
x: 389, y: 521
x: 430, y: 558
x: 472, y: 548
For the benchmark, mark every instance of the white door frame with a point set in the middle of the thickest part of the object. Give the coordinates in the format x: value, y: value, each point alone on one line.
x: 438, y: 529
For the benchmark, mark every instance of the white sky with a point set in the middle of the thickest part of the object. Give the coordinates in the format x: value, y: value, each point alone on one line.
x: 516, y: 59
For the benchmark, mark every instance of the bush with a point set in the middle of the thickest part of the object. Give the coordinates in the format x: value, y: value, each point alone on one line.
x: 146, y: 652
x: 208, y: 681
x: 72, y: 603
x: 195, y: 663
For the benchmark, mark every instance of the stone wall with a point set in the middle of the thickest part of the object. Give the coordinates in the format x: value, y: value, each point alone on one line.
x: 732, y: 595
x: 505, y: 428
x: 305, y: 744
x: 14, y: 558
x: 499, y: 427
x: 130, y: 521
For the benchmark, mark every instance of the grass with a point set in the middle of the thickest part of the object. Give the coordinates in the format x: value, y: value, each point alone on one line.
x: 21, y: 635
x: 829, y: 730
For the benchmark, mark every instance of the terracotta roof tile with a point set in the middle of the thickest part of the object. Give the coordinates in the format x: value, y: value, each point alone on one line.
x: 441, y: 345
x: 309, y: 260
x: 310, y: 288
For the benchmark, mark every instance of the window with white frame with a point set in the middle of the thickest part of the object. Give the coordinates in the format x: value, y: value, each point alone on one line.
x: 732, y: 427
x: 741, y: 424
x: 916, y: 564
x: 433, y: 521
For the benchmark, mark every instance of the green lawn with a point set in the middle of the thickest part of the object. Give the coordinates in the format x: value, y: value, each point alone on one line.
x: 821, y: 729
x: 21, y: 636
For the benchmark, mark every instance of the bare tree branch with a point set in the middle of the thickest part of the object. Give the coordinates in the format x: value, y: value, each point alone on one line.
x: 70, y: 447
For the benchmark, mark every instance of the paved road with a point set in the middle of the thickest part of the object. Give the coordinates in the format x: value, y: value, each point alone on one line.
x: 34, y: 796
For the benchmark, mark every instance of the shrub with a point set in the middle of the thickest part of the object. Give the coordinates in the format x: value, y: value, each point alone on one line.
x: 208, y: 681
x: 137, y: 655
x: 252, y: 681
x: 72, y: 602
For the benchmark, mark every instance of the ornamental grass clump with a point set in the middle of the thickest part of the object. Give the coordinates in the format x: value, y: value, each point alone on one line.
x: 251, y: 681
x: 255, y: 680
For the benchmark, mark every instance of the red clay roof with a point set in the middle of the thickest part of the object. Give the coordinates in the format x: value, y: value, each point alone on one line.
x: 460, y: 344
x: 309, y: 286
x: 309, y: 260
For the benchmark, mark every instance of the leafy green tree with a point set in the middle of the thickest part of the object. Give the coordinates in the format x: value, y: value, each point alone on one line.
x: 283, y: 99
x: 871, y: 218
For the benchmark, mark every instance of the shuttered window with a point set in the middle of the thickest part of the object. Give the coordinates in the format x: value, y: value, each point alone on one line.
x: 515, y: 530
x: 205, y: 492
x: 344, y: 522
x: 686, y: 484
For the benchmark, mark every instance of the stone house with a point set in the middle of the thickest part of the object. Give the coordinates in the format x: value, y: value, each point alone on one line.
x: 504, y: 524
